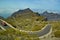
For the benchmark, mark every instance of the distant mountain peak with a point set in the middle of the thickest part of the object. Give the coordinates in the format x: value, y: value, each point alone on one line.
x: 45, y: 12
x: 24, y: 11
x: 51, y: 16
x: 27, y: 10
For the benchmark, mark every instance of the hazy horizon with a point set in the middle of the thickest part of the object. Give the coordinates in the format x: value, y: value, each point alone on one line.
x: 10, y: 6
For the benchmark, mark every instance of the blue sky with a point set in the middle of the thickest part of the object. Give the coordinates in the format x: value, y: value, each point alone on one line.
x: 10, y: 6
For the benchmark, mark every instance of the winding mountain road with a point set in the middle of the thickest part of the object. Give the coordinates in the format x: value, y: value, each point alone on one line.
x: 42, y: 32
x: 46, y: 30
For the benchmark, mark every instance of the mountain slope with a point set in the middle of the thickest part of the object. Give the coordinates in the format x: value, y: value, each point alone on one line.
x: 51, y: 16
x: 26, y: 20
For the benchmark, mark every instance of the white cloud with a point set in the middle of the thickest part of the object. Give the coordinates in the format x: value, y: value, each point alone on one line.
x: 7, y: 10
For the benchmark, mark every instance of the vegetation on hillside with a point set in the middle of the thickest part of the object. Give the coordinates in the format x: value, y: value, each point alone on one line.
x: 55, y: 28
x: 11, y: 34
x: 29, y: 21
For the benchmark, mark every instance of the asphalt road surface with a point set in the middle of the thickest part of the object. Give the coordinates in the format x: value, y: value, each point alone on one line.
x: 43, y: 32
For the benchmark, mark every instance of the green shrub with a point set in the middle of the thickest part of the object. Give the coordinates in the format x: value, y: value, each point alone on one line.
x: 57, y: 33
